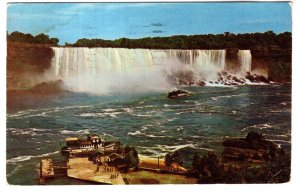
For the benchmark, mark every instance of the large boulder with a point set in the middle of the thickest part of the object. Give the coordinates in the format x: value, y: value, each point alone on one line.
x: 261, y: 78
x: 250, y: 77
x: 201, y: 83
x: 234, y: 78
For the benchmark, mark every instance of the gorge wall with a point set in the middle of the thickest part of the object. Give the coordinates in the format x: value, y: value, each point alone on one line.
x: 26, y: 62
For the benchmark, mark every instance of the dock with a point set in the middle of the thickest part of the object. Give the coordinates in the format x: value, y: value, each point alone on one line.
x: 51, y: 169
x: 83, y: 169
x: 88, y: 159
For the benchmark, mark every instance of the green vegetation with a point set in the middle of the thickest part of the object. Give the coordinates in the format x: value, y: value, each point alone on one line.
x: 210, y: 169
x: 28, y: 38
x: 173, y: 157
x: 131, y: 158
x: 268, y: 41
x: 149, y: 177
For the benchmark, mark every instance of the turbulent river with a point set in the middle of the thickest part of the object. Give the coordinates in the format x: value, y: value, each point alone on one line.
x: 149, y: 121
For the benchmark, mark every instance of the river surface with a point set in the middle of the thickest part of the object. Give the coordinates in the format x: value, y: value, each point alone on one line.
x: 152, y: 123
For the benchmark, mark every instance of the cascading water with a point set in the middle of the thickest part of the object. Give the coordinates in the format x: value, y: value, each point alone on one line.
x: 101, y: 70
x: 245, y: 60
x: 105, y: 70
x: 200, y: 59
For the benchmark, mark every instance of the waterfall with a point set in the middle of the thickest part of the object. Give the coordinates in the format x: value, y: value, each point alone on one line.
x: 76, y: 61
x: 102, y: 70
x: 125, y: 68
x: 244, y: 58
x: 200, y: 59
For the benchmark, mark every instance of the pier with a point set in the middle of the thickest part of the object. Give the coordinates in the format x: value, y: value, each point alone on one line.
x: 91, y: 159
x: 51, y: 169
x: 82, y: 168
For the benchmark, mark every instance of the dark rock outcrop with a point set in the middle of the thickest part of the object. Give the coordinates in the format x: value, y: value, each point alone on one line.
x: 261, y: 78
x: 50, y: 87
x: 250, y: 77
x: 257, y: 78
x: 201, y: 83
x: 252, y: 148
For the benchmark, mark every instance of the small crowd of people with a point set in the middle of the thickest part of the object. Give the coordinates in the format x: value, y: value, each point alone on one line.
x: 114, y: 175
x: 107, y: 168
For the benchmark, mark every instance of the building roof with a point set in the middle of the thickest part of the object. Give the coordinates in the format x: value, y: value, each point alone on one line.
x: 72, y: 139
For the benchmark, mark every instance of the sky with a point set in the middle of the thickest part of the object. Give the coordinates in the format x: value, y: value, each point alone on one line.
x: 72, y: 21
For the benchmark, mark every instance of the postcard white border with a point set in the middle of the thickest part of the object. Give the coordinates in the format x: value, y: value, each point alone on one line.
x: 158, y: 189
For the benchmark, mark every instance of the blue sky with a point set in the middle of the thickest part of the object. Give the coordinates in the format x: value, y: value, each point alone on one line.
x: 72, y: 21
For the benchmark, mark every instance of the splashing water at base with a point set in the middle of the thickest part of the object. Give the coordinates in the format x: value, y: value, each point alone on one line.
x: 110, y: 70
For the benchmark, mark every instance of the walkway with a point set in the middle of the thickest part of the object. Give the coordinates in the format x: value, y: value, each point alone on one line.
x: 82, y: 168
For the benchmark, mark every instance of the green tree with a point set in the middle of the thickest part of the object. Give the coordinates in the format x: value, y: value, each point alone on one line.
x: 131, y: 158
x: 168, y: 159
x: 41, y: 38
x: 173, y: 157
x: 195, y: 161
x: 54, y: 41
x: 20, y: 37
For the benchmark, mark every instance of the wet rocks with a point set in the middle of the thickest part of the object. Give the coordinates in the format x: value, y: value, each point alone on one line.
x: 250, y: 77
x: 236, y: 79
x: 261, y: 78
x: 201, y: 83
x: 187, y: 79
x: 256, y: 78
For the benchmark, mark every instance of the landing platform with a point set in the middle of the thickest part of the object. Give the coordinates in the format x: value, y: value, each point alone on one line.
x: 83, y: 169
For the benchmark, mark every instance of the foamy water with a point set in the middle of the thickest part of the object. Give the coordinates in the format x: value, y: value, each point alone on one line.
x: 25, y: 158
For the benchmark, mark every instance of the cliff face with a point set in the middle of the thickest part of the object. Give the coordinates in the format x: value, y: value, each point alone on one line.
x: 277, y: 64
x: 25, y: 60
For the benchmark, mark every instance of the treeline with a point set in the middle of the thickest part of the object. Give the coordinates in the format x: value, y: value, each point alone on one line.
x: 253, y: 41
x: 28, y: 38
x: 267, y: 41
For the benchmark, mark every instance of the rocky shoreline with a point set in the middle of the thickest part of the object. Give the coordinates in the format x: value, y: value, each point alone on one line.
x: 188, y: 79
